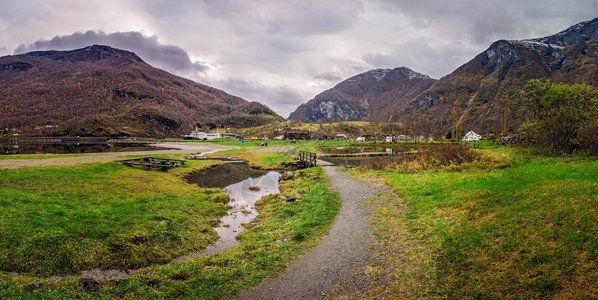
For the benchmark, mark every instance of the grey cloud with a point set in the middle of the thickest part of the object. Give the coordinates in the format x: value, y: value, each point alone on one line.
x: 311, y: 17
x: 338, y: 70
x: 330, y: 77
x: 169, y: 57
x: 483, y: 22
x: 480, y: 21
x: 281, y: 99
x: 420, y: 56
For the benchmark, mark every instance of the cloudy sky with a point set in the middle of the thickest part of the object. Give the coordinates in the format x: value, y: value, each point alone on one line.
x: 284, y: 52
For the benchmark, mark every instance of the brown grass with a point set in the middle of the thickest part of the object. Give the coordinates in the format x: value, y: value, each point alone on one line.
x: 446, y: 157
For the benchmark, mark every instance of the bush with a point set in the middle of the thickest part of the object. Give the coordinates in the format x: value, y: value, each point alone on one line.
x: 561, y: 118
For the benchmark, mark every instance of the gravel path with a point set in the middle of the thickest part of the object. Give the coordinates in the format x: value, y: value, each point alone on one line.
x: 338, y: 259
x: 60, y: 160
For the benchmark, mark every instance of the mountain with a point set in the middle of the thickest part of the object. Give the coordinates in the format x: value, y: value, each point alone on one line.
x: 484, y: 93
x: 102, y: 91
x: 367, y: 96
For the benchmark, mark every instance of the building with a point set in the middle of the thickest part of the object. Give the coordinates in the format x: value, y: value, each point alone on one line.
x: 471, y: 137
x: 296, y: 135
x: 196, y: 134
x: 200, y: 135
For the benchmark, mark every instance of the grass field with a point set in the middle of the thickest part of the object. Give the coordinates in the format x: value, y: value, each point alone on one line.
x: 64, y: 220
x: 60, y: 220
x: 528, y: 231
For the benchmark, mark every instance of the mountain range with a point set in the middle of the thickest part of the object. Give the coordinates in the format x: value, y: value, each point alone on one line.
x: 481, y: 95
x: 102, y: 91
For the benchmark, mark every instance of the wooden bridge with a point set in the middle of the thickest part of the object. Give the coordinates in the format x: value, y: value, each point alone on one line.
x: 307, y: 159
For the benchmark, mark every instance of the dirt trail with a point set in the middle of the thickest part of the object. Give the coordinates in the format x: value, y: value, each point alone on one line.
x: 338, y: 259
x: 60, y: 160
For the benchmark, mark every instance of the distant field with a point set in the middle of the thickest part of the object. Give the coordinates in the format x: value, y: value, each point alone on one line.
x: 332, y: 128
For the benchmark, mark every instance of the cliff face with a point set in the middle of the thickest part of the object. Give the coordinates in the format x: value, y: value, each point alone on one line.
x: 102, y: 91
x: 366, y: 96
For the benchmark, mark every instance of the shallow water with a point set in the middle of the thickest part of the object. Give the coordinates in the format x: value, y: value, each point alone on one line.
x: 357, y: 161
x: 59, y: 146
x: 243, y: 196
x: 244, y: 186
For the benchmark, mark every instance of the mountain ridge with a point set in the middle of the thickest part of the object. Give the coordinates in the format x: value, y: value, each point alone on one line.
x: 350, y: 99
x: 103, y: 91
x: 484, y: 93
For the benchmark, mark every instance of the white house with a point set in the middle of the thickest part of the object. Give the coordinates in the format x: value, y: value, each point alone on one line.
x: 471, y: 137
x: 200, y: 135
x: 196, y: 135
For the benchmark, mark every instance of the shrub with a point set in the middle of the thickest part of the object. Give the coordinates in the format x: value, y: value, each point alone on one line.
x: 561, y: 118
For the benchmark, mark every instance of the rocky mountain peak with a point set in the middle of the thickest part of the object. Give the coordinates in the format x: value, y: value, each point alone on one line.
x: 368, y: 95
x: 407, y: 73
x: 89, y: 53
x: 396, y: 73
x: 570, y: 36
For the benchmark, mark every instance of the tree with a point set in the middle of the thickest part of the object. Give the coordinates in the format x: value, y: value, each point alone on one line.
x: 449, y: 135
x: 561, y: 118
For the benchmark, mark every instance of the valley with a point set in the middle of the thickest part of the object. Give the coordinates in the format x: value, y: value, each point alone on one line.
x: 482, y: 184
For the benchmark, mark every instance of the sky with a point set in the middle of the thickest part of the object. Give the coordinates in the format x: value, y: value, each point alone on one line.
x: 284, y: 52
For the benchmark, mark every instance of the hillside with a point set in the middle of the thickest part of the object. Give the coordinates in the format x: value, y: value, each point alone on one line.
x: 367, y: 96
x: 484, y: 94
x: 102, y: 91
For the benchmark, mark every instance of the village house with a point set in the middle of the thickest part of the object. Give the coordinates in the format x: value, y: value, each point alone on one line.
x: 471, y: 137
x: 291, y: 134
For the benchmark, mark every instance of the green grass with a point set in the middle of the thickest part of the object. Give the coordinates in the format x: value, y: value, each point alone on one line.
x: 63, y: 220
x: 525, y: 232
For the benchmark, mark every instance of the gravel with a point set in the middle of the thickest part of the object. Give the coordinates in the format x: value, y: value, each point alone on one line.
x: 338, y: 259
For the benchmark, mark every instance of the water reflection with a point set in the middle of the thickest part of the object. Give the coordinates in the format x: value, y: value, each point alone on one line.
x: 243, y: 196
x: 56, y: 146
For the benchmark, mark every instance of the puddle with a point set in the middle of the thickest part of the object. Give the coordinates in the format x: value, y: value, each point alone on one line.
x: 351, y: 150
x: 244, y: 186
x: 224, y: 175
x: 356, y: 161
x: 58, y: 145
x: 387, y: 148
